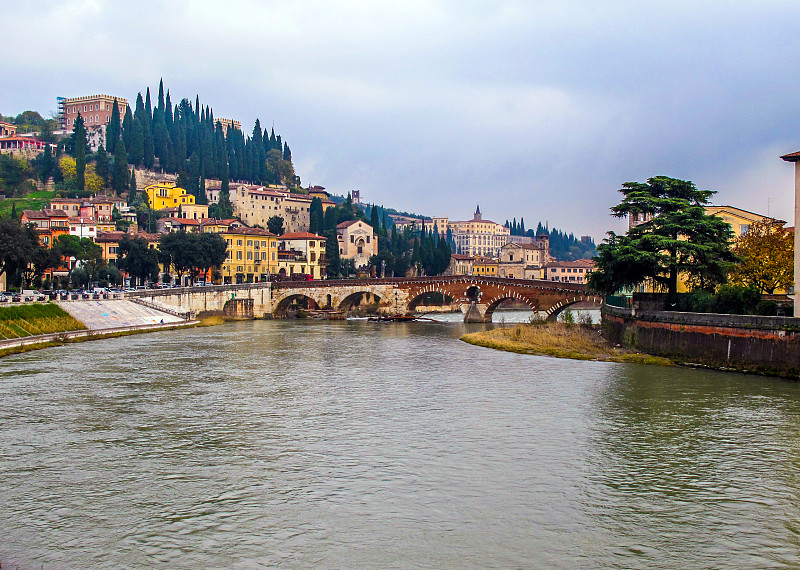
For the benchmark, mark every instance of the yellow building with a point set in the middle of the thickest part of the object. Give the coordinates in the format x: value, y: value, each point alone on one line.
x: 485, y: 267
x: 166, y: 195
x: 739, y: 220
x: 303, y: 253
x: 252, y: 255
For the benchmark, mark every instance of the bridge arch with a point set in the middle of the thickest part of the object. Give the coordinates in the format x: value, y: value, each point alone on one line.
x: 431, y: 293
x: 496, y: 301
x: 300, y: 300
x: 364, y: 298
x: 561, y: 306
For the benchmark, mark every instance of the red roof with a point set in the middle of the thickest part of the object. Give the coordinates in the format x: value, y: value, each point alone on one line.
x: 793, y: 157
x: 348, y: 224
x: 300, y: 235
x: 576, y: 263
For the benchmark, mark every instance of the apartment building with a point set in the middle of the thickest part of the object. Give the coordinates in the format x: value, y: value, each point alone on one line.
x: 252, y: 255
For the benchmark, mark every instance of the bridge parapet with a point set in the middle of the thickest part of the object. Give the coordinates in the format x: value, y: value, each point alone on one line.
x: 477, y: 296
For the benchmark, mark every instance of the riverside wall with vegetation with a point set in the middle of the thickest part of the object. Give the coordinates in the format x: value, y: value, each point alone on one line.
x: 748, y: 343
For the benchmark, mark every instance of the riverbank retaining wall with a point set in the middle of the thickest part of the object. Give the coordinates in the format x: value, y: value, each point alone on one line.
x: 748, y: 343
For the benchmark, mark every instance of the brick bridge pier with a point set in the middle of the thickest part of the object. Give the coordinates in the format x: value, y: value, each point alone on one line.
x: 477, y: 297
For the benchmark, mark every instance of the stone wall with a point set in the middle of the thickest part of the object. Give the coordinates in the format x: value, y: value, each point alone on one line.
x: 743, y: 342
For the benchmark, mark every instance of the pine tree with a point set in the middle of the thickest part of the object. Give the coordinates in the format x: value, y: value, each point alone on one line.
x: 112, y: 129
x: 79, y: 152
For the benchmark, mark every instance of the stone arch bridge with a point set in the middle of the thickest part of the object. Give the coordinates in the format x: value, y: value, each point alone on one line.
x: 477, y: 297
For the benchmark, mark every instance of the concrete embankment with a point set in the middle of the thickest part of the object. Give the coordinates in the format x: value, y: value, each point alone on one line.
x: 103, y: 318
x: 114, y: 313
x: 748, y: 343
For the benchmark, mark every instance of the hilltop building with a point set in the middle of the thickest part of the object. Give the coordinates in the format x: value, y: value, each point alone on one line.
x: 478, y: 237
x: 163, y: 195
x: 255, y: 205
x: 228, y: 124
x: 96, y: 112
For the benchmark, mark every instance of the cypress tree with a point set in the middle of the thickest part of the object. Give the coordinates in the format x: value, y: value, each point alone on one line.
x: 79, y: 152
x: 112, y: 129
x: 132, y: 187
x: 136, y: 153
x: 47, y: 164
x: 168, y: 111
x: 287, y: 154
x: 101, y: 164
x: 374, y: 220
x: 161, y: 95
x: 127, y: 129
x: 120, y: 175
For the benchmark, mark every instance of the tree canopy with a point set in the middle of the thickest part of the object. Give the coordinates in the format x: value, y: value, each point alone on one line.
x: 766, y: 257
x: 678, y: 238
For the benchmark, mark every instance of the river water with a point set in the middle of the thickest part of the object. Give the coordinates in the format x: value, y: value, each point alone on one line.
x: 386, y: 445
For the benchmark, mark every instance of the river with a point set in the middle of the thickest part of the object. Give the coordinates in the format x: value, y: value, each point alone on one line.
x: 386, y: 445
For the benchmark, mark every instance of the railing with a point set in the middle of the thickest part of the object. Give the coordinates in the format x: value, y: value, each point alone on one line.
x: 42, y: 298
x: 185, y: 315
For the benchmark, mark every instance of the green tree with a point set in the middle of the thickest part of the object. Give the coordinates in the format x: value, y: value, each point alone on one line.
x: 275, y: 225
x: 113, y: 129
x: 223, y: 209
x: 132, y: 187
x: 79, y: 152
x: 84, y: 251
x: 46, y: 165
x: 18, y: 246
x: 101, y: 164
x: 137, y: 259
x: 678, y: 239
x: 316, y: 216
x: 119, y: 178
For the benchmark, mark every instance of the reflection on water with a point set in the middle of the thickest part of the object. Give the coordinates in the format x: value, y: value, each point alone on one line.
x: 358, y: 444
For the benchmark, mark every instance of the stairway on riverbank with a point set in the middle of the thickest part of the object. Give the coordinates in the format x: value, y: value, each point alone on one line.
x: 115, y: 313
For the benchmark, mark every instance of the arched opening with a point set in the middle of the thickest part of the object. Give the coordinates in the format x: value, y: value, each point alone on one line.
x: 474, y: 294
x: 431, y: 301
x: 584, y: 310
x: 294, y: 306
x: 360, y: 304
x: 328, y: 301
x: 510, y: 310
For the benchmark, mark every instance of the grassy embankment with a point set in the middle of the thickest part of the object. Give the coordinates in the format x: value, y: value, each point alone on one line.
x: 29, y: 320
x: 32, y: 201
x: 560, y: 340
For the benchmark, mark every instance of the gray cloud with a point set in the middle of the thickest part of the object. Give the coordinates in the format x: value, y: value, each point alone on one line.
x: 534, y: 109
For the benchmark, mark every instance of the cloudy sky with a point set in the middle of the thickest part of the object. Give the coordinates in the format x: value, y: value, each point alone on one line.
x: 537, y: 109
